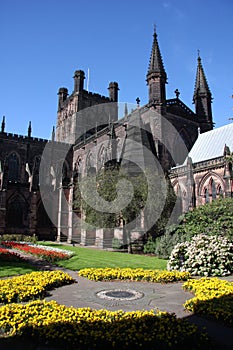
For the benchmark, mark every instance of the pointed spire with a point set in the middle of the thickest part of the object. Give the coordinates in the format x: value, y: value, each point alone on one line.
x: 53, y: 134
x: 156, y: 62
x: 202, y: 98
x: 201, y: 85
x: 156, y: 78
x: 29, y: 129
x: 3, y: 124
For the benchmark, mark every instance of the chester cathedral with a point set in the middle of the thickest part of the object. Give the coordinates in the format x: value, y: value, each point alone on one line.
x: 97, y: 132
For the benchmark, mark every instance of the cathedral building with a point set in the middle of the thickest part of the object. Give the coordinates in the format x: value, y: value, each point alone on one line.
x: 96, y: 134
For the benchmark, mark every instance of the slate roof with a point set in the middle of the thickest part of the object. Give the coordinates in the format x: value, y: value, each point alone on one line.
x: 211, y: 144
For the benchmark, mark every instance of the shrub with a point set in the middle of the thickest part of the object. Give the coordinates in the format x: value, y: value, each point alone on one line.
x: 165, y: 244
x: 203, y: 256
x: 117, y: 243
x: 149, y: 246
x: 18, y: 238
x: 212, y: 218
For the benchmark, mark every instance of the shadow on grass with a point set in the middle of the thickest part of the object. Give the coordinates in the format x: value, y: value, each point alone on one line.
x: 9, y: 268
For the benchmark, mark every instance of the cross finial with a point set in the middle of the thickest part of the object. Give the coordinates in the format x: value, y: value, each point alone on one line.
x: 138, y: 101
x: 154, y: 28
x: 177, y: 93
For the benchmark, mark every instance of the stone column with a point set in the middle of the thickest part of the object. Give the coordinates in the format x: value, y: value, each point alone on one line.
x: 70, y: 214
x: 33, y: 216
x: 83, y: 229
x: 99, y: 241
x: 59, y: 213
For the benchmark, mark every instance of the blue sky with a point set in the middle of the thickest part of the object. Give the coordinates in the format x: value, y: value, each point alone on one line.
x: 44, y: 42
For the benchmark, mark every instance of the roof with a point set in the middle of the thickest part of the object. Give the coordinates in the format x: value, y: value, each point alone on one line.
x: 211, y: 144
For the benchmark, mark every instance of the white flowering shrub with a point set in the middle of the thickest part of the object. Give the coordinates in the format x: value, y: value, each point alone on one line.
x: 203, y: 256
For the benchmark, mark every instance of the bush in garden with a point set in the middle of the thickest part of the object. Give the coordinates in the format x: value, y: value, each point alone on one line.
x: 213, y: 218
x: 18, y: 238
x: 149, y: 246
x: 203, y: 256
x: 165, y: 244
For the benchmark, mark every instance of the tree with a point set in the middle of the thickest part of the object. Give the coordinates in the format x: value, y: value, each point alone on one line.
x: 128, y: 196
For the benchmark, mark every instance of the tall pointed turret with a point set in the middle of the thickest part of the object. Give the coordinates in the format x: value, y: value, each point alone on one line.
x: 202, y: 98
x: 156, y: 78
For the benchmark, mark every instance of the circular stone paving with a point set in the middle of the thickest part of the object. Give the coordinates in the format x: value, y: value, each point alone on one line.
x: 119, y: 294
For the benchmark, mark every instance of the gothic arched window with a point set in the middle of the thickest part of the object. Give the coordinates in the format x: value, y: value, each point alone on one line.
x: 13, y: 167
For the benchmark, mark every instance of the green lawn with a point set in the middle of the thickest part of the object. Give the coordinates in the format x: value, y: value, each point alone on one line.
x: 91, y: 257
x: 15, y: 268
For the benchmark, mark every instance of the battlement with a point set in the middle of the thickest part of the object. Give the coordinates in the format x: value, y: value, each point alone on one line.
x: 8, y: 135
x: 96, y: 95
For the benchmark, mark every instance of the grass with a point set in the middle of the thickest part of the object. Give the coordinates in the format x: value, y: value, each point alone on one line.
x: 15, y: 268
x: 90, y: 257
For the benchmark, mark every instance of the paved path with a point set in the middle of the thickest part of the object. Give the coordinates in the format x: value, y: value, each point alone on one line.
x: 165, y: 297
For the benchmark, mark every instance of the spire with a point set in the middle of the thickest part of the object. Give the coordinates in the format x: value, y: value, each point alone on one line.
x: 156, y: 78
x: 3, y: 124
x: 53, y: 134
x: 29, y: 129
x: 202, y: 98
x: 156, y: 62
x: 201, y: 85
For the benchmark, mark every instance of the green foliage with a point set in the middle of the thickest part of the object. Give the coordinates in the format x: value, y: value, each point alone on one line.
x: 149, y: 246
x: 18, y: 238
x: 165, y: 244
x: 212, y: 218
x: 117, y: 243
x: 149, y: 191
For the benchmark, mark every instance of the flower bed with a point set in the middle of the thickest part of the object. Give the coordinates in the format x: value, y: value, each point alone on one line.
x: 133, y: 275
x: 6, y: 255
x: 31, y: 285
x: 47, y: 253
x: 213, y: 297
x: 85, y: 328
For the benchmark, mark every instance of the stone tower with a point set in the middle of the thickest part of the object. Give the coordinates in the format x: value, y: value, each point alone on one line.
x: 156, y: 78
x: 70, y: 125
x: 202, y: 99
